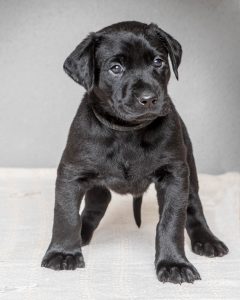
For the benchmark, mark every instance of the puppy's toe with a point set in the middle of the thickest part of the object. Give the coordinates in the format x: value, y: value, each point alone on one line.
x: 55, y: 263
x: 220, y: 249
x: 208, y: 250
x: 69, y: 263
x: 175, y: 275
x: 198, y: 248
x: 163, y: 274
x: 190, y: 274
x: 80, y: 261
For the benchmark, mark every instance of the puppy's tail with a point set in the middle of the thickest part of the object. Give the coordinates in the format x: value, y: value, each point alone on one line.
x: 137, y: 203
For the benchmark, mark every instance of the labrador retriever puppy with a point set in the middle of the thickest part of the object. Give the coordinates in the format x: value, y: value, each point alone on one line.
x: 126, y: 135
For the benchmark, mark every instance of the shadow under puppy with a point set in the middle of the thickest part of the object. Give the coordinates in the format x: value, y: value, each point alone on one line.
x: 127, y: 134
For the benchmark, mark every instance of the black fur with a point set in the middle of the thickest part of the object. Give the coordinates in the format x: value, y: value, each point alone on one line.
x: 125, y: 71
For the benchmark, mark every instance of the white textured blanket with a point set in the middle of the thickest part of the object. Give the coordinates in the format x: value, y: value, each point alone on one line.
x: 119, y: 261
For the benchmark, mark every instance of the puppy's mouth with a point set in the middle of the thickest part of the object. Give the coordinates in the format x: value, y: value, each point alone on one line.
x: 143, y: 114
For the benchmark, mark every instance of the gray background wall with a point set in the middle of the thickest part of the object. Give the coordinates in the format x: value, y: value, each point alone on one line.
x: 38, y: 101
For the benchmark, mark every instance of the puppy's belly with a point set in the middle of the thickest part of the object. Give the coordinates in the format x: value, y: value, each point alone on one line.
x: 120, y: 186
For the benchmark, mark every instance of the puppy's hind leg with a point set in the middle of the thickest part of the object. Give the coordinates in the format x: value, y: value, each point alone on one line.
x: 203, y: 241
x: 96, y: 203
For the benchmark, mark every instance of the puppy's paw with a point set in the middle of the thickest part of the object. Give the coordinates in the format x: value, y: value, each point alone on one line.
x: 60, y: 261
x: 210, y: 248
x: 177, y: 272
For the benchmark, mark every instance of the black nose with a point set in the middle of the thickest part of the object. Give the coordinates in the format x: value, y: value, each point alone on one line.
x: 148, y: 99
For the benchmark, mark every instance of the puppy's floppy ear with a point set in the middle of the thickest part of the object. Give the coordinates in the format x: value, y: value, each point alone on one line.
x: 79, y: 65
x: 173, y: 47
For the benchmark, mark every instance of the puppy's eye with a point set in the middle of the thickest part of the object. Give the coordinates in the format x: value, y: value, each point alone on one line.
x: 116, y: 69
x: 157, y: 62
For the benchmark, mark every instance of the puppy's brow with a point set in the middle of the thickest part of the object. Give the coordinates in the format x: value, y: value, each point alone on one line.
x: 118, y: 58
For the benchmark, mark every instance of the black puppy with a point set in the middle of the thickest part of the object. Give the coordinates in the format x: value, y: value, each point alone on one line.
x: 127, y: 134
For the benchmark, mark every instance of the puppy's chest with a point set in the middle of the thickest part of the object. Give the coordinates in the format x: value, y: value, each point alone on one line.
x: 126, y: 170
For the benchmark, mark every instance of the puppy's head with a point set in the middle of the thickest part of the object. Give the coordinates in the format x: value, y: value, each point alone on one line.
x: 126, y: 67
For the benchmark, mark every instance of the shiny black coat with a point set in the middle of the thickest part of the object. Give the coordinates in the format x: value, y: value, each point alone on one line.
x: 125, y: 71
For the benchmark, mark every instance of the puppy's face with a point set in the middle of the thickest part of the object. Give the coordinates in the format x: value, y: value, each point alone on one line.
x: 126, y: 67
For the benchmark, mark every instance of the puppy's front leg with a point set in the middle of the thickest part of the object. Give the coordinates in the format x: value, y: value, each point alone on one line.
x: 172, y: 192
x: 64, y: 251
